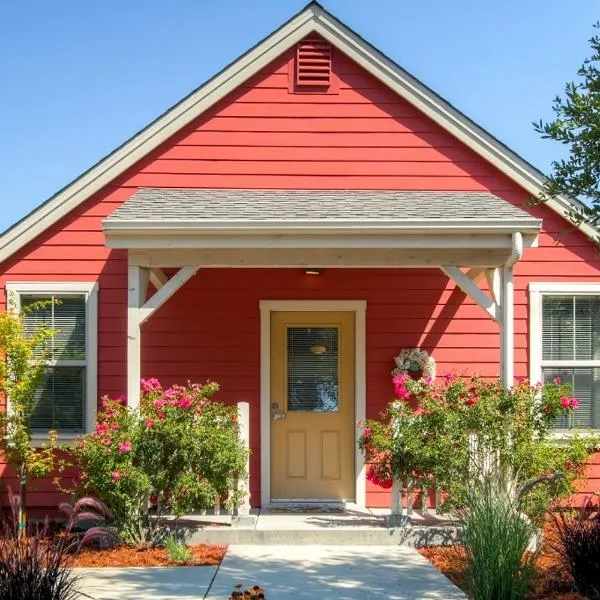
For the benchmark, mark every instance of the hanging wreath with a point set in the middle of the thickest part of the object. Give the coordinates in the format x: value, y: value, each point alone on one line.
x: 416, y: 362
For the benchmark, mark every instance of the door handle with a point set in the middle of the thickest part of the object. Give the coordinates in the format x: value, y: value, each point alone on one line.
x: 277, y: 416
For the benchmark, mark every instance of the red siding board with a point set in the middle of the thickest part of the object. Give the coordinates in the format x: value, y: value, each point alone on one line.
x: 261, y: 136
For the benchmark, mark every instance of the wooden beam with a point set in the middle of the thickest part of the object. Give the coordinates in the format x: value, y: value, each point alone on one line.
x: 165, y: 292
x: 493, y: 281
x: 472, y: 290
x: 158, y: 278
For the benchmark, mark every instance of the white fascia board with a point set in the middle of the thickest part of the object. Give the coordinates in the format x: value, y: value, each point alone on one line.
x: 312, y: 18
x: 415, y: 226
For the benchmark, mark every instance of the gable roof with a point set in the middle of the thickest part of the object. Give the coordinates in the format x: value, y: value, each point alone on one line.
x: 313, y: 18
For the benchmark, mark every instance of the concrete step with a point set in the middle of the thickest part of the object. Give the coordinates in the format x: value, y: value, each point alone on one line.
x: 337, y: 536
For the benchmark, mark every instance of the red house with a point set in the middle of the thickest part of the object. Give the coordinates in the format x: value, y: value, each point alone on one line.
x: 285, y: 230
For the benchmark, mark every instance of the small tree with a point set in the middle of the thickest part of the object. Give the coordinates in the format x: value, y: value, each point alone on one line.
x: 577, y: 125
x: 21, y: 371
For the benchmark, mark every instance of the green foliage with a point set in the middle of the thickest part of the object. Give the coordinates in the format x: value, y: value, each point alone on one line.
x: 496, y: 535
x: 577, y: 125
x: 179, y: 452
x: 20, y: 375
x: 178, y: 552
x: 465, y: 426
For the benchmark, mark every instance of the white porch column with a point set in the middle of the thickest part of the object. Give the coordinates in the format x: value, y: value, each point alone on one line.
x: 507, y: 329
x: 507, y: 322
x: 137, y: 281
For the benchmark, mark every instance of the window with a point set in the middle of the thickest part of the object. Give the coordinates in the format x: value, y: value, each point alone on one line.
x: 66, y: 398
x: 565, y: 326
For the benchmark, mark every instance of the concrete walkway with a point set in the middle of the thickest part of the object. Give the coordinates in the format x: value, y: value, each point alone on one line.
x: 320, y: 572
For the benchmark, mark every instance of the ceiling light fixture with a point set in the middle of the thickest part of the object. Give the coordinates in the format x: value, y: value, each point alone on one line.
x: 312, y: 271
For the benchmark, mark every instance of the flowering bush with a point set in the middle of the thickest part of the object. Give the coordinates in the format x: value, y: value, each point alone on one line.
x: 460, y: 426
x: 179, y: 452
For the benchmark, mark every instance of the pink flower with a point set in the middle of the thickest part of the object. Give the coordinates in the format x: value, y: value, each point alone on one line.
x: 367, y: 432
x: 116, y: 476
x: 448, y: 377
x: 556, y: 380
x: 121, y: 400
x: 101, y: 428
x: 150, y: 385
x: 570, y: 464
x: 149, y: 422
x: 574, y: 403
x: 114, y: 426
x: 160, y: 416
x: 125, y: 447
x: 521, y: 379
x: 427, y: 380
x: 184, y: 402
x: 159, y: 403
x: 471, y: 400
x: 565, y: 402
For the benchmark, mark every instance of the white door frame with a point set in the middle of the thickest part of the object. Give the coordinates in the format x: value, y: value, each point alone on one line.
x: 358, y: 307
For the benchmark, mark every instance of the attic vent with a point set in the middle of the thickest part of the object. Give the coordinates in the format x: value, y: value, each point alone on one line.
x: 313, y: 63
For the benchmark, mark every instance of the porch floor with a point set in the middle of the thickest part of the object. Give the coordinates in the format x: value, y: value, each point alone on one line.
x: 343, y: 526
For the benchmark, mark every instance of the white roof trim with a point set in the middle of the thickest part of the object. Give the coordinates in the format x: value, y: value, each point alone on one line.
x: 312, y: 18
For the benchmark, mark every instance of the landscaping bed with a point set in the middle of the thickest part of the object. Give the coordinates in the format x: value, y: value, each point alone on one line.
x: 551, y: 581
x: 122, y: 556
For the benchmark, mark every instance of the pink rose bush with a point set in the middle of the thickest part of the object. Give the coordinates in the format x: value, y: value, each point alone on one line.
x: 180, y: 447
x: 426, y: 435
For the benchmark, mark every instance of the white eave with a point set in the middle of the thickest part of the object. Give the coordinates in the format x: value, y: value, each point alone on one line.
x: 313, y: 18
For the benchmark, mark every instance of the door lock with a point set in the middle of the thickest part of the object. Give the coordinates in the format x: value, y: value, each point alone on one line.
x: 277, y: 416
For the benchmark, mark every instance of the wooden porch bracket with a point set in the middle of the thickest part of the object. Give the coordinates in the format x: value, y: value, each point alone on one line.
x: 467, y: 283
x: 158, y: 278
x: 139, y: 310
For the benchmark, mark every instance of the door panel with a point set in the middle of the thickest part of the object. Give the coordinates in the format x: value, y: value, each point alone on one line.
x: 312, y: 406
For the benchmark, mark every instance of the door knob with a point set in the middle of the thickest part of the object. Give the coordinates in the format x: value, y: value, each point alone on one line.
x: 277, y: 416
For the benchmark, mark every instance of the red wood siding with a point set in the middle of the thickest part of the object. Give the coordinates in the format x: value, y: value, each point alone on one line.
x: 262, y: 136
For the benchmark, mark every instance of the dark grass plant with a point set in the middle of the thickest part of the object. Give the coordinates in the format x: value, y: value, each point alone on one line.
x: 35, y: 561
x: 496, y: 536
x: 577, y: 543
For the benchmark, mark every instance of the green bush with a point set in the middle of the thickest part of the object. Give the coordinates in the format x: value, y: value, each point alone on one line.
x: 178, y: 453
x: 496, y: 535
x: 445, y: 434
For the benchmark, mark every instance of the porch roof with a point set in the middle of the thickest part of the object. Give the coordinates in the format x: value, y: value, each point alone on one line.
x: 212, y: 210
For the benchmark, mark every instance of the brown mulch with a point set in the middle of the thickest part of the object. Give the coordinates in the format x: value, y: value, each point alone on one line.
x: 203, y: 555
x: 551, y: 581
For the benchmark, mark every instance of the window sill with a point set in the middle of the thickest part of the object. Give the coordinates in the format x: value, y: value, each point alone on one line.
x: 39, y: 439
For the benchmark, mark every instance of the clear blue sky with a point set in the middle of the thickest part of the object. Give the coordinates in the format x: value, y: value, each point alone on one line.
x: 78, y: 77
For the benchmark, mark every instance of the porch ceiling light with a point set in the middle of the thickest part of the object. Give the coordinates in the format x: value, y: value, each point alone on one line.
x: 312, y: 271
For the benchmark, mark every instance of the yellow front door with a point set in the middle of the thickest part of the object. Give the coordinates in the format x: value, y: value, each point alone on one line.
x: 312, y: 406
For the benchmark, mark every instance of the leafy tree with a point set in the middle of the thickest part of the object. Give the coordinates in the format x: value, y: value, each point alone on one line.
x: 21, y: 371
x: 577, y: 125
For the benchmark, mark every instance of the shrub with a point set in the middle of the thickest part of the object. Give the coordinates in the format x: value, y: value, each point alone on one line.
x: 578, y: 546
x: 496, y: 536
x: 178, y: 453
x: 444, y: 433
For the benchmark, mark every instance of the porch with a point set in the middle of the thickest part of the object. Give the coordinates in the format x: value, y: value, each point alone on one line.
x: 176, y: 237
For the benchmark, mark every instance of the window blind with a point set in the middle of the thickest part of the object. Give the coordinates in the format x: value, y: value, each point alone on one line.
x: 312, y: 369
x: 60, y: 401
x: 585, y: 383
x: 66, y: 314
x: 571, y: 328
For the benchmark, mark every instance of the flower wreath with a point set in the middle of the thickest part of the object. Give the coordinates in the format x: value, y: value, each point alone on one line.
x: 410, y: 360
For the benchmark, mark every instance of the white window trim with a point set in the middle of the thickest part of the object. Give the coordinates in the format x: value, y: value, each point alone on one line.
x: 90, y: 289
x: 536, y: 291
